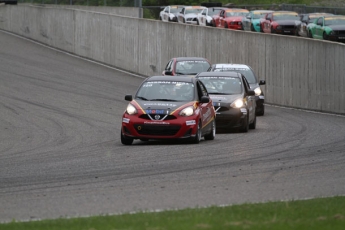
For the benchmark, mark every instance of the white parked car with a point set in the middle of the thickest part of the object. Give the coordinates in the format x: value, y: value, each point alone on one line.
x: 204, y: 18
x: 169, y: 13
x: 189, y: 14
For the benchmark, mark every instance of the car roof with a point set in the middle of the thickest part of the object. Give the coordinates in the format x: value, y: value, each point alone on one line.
x: 230, y: 65
x: 190, y: 59
x: 183, y: 78
x: 219, y: 74
x: 236, y: 10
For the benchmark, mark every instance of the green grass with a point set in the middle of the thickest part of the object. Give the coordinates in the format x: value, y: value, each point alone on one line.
x: 315, y: 214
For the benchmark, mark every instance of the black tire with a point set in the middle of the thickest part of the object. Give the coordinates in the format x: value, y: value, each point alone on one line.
x: 261, y: 30
x: 253, y: 124
x: 252, y: 28
x: 245, y: 125
x: 197, y: 22
x: 272, y: 30
x: 212, y: 134
x: 160, y: 18
x: 324, y: 36
x: 310, y: 35
x: 261, y: 112
x: 197, y: 137
x: 213, y: 24
x: 226, y: 26
x: 126, y: 140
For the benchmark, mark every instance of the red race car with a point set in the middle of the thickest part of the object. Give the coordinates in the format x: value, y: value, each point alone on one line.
x: 281, y: 22
x: 230, y: 18
x: 186, y: 66
x: 169, y: 107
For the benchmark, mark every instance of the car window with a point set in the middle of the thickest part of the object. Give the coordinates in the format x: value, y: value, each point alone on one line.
x: 247, y: 72
x: 222, y: 84
x: 202, y: 91
x: 192, y: 66
x: 168, y: 66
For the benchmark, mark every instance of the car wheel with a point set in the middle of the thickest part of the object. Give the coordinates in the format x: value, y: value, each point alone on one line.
x: 253, y: 124
x: 245, y: 125
x: 184, y: 21
x: 225, y: 25
x: 197, y: 137
x: 126, y: 140
x: 252, y: 28
x: 212, y: 134
x: 160, y: 18
x: 261, y: 112
x: 272, y: 30
x: 310, y: 35
x: 324, y: 36
x: 197, y: 22
x: 213, y: 24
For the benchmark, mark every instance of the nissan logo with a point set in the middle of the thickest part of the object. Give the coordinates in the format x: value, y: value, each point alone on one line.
x: 157, y: 117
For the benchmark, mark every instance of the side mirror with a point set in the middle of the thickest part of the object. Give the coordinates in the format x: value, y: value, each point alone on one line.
x: 251, y: 93
x: 205, y: 99
x: 262, y: 82
x: 128, y: 97
x: 166, y: 72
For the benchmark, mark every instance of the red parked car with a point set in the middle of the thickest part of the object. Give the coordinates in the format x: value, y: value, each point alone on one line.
x: 186, y: 66
x: 230, y: 18
x: 281, y: 22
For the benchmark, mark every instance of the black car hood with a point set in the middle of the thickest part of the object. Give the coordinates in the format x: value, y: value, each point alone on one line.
x: 161, y: 105
x: 218, y: 98
x: 253, y: 86
x: 286, y: 22
x: 337, y: 27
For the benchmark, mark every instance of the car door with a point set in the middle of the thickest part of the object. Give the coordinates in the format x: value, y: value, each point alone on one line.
x: 166, y: 14
x: 180, y: 17
x: 207, y: 110
x: 219, y: 18
x: 319, y: 28
x: 251, y: 102
x: 266, y: 25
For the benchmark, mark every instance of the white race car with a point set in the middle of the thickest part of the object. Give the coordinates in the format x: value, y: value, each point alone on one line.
x: 189, y: 14
x: 204, y: 18
x: 169, y: 13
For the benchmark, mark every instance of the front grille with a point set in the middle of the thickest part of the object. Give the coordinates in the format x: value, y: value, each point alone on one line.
x: 147, y: 117
x: 157, y: 130
x: 221, y: 109
x: 288, y: 27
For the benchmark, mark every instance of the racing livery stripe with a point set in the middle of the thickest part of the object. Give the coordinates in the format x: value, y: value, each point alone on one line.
x: 183, y: 106
x: 137, y: 104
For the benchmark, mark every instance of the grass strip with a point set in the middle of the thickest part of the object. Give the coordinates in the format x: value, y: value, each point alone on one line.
x: 315, y: 214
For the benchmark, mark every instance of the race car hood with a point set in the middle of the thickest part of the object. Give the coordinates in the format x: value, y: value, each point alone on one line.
x: 235, y: 18
x: 165, y: 107
x: 286, y: 22
x: 337, y: 27
x: 224, y: 99
x: 253, y: 85
x: 191, y: 15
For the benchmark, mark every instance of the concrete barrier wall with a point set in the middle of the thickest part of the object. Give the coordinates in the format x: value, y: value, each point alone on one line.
x: 299, y: 72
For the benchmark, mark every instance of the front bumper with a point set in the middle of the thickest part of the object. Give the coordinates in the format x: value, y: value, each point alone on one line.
x: 232, y: 118
x: 138, y: 128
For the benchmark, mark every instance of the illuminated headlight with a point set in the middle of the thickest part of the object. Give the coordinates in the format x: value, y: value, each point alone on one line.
x: 237, y: 104
x: 279, y: 27
x: 188, y: 111
x: 131, y: 109
x: 257, y: 91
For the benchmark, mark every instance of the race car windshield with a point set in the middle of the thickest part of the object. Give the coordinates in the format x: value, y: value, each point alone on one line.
x: 339, y: 21
x: 247, y: 73
x: 193, y: 11
x: 166, y: 91
x: 222, y: 85
x: 259, y: 15
x: 213, y: 12
x: 231, y: 14
x: 191, y: 67
x: 285, y: 17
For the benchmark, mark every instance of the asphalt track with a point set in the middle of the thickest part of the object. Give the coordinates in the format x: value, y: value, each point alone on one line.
x: 61, y: 156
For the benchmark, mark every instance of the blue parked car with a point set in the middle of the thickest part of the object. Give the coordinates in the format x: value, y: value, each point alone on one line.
x: 252, y: 21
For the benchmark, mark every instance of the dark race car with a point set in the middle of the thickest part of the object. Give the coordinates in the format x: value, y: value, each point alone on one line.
x: 280, y: 22
x: 252, y: 79
x: 186, y: 66
x: 167, y: 107
x: 233, y: 100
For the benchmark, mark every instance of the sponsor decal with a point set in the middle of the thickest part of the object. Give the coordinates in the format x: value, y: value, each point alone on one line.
x: 244, y: 110
x: 160, y: 104
x: 155, y: 111
x: 192, y: 122
x: 125, y: 120
x: 206, y: 115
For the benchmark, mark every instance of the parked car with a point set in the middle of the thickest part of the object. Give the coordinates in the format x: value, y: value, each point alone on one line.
x: 328, y: 28
x: 204, y: 18
x: 233, y: 100
x: 301, y: 29
x: 188, y: 14
x: 280, y: 22
x: 252, y: 79
x: 230, y: 18
x: 167, y: 107
x: 186, y: 66
x: 169, y: 13
x: 253, y: 20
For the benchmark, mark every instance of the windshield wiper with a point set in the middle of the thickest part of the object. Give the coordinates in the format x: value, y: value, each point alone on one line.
x: 162, y: 99
x: 142, y: 98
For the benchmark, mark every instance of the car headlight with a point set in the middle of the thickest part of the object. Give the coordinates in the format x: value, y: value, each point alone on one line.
x: 188, y: 111
x: 257, y: 91
x: 279, y: 27
x: 131, y: 109
x: 237, y: 104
